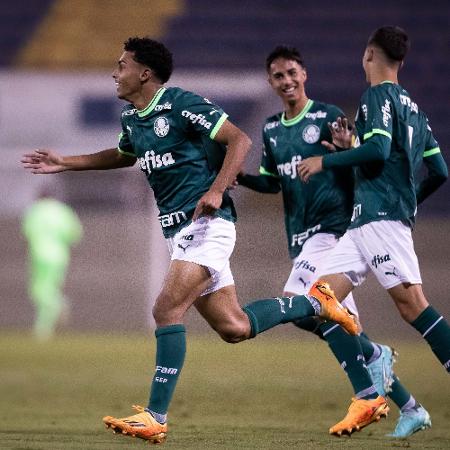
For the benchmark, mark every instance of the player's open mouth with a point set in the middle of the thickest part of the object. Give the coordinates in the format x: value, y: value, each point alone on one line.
x: 289, y: 90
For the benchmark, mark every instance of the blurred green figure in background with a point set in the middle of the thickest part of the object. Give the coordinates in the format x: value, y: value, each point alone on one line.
x: 51, y: 229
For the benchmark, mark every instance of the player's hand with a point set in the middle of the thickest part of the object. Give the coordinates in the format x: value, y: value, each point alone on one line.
x: 43, y: 161
x: 235, y: 182
x: 195, y: 232
x: 341, y: 133
x: 308, y: 167
x: 208, y: 204
x: 329, y: 146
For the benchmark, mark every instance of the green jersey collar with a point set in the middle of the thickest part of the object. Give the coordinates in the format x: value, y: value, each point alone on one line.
x: 151, y: 106
x: 298, y: 117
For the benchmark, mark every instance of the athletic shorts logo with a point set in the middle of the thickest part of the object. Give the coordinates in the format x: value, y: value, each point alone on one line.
x: 311, y: 134
x: 380, y: 259
x: 304, y: 264
x: 161, y: 126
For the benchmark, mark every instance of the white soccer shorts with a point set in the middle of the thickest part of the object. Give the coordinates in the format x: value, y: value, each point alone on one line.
x: 308, y: 266
x: 384, y: 247
x: 208, y: 242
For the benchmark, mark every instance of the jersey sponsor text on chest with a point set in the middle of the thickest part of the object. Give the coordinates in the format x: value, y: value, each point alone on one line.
x: 151, y: 160
x: 289, y: 168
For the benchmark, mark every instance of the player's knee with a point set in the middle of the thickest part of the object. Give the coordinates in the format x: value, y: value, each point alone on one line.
x: 159, y: 315
x: 234, y: 333
x: 164, y: 315
x: 409, y: 300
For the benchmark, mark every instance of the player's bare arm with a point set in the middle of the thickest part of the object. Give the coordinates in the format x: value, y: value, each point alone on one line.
x: 238, y: 145
x: 44, y: 161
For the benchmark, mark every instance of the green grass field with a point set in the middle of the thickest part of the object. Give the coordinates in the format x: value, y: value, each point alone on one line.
x: 268, y: 393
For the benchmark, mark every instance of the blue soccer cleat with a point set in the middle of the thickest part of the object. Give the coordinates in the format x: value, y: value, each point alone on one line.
x: 410, y: 422
x: 381, y: 370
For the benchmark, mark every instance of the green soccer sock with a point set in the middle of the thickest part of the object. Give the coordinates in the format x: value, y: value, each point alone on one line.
x: 348, y: 352
x: 170, y: 352
x: 370, y: 349
x: 267, y: 313
x: 436, y: 331
x: 399, y: 395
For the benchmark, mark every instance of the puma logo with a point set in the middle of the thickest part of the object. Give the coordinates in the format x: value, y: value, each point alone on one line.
x: 303, y: 281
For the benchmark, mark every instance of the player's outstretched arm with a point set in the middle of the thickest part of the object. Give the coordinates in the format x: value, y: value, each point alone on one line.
x: 43, y: 161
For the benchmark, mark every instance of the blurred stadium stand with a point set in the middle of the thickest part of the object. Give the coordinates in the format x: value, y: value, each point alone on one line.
x: 56, y: 58
x: 236, y: 35
x: 18, y: 22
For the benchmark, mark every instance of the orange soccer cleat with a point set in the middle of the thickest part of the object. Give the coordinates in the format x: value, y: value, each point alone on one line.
x: 142, y: 425
x: 360, y: 414
x: 332, y: 309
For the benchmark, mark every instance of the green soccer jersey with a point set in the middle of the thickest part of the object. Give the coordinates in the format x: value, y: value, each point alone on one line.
x: 172, y: 138
x: 386, y: 190
x: 323, y: 204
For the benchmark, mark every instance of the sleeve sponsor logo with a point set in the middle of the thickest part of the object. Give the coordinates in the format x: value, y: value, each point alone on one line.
x: 386, y: 110
x: 214, y: 111
x: 196, y: 118
x: 129, y: 112
x: 364, y: 111
x: 271, y: 125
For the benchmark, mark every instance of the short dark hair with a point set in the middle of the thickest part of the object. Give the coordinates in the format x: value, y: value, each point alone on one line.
x: 285, y: 52
x: 392, y: 40
x: 152, y: 54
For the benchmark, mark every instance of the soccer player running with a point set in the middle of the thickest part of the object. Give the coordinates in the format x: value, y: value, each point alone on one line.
x: 317, y: 214
x: 393, y: 139
x: 190, y: 153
